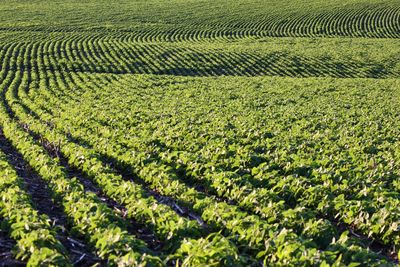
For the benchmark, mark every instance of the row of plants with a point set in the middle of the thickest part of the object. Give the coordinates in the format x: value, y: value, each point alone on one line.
x: 154, y: 174
x: 37, y: 243
x: 252, y: 186
x: 207, y: 21
x: 91, y: 218
x: 164, y: 220
x: 102, y: 53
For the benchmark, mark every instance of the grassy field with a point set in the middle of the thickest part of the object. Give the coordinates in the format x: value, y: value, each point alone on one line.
x: 200, y: 133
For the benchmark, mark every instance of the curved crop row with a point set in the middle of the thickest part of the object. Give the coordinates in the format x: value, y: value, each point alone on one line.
x: 95, y: 54
x: 165, y: 184
x: 371, y: 20
x: 160, y: 169
x: 390, y: 235
x: 36, y: 238
x: 95, y: 169
x: 92, y: 218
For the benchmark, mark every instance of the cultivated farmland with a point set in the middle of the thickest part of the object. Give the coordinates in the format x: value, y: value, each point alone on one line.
x: 200, y: 133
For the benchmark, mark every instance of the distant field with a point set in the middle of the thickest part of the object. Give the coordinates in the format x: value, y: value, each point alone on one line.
x: 200, y: 133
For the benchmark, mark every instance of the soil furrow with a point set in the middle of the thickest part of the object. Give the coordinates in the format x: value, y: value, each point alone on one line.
x: 6, y: 246
x: 42, y: 201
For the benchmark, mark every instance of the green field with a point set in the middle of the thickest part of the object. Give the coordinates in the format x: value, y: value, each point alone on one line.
x: 200, y: 133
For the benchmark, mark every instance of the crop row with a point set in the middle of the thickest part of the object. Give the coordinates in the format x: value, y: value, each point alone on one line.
x: 138, y: 205
x: 231, y: 171
x: 384, y: 212
x: 97, y: 53
x: 152, y: 160
x: 372, y: 20
x: 91, y: 218
x: 36, y: 237
x: 163, y: 178
x: 86, y: 165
